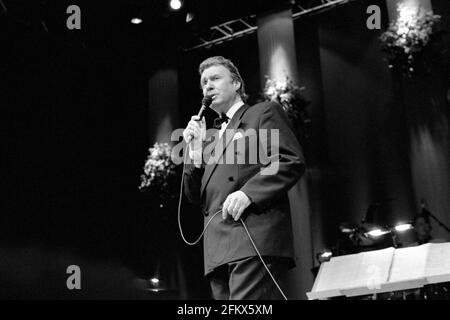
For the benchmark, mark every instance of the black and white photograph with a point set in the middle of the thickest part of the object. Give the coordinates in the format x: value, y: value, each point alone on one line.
x: 250, y: 152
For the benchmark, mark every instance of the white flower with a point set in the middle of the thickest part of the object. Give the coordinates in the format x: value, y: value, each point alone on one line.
x: 270, y: 91
x: 285, y: 97
x: 158, y: 168
x: 280, y: 86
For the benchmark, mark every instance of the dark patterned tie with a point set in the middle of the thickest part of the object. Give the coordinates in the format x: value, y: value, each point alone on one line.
x: 218, y: 121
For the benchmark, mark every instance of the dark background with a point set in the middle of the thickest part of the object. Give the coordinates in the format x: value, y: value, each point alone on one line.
x: 75, y: 120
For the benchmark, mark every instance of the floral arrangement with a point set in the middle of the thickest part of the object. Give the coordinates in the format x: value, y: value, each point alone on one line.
x: 160, y: 174
x: 289, y: 96
x: 407, y: 38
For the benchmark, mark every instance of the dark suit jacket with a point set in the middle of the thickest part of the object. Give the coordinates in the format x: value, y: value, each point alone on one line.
x: 268, y: 217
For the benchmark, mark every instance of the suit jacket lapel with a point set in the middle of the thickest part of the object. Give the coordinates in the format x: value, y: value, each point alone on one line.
x: 233, y: 125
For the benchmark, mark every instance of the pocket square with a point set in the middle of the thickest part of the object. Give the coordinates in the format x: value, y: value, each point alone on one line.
x: 238, y: 135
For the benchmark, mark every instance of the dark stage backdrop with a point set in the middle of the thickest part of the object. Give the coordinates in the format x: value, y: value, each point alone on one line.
x: 366, y: 134
x: 74, y: 129
x: 76, y: 122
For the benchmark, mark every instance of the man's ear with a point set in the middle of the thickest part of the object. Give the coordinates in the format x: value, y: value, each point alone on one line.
x: 237, y: 84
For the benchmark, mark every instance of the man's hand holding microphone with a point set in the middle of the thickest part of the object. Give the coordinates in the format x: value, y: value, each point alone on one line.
x: 195, y: 133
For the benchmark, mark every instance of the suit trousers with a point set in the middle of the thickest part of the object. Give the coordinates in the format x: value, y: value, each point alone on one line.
x: 248, y: 279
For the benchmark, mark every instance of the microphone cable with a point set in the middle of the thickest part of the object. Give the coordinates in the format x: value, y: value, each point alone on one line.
x: 209, y: 221
x: 179, y: 206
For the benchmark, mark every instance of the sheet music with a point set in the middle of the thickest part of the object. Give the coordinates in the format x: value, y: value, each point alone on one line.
x: 338, y: 273
x: 374, y: 268
x: 409, y: 263
x: 383, y: 271
x: 324, y: 272
x: 354, y: 273
x: 438, y: 263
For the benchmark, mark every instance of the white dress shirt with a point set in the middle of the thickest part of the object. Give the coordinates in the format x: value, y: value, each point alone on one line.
x: 195, y: 151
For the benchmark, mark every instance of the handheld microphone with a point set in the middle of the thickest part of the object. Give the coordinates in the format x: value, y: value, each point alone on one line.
x: 206, y: 102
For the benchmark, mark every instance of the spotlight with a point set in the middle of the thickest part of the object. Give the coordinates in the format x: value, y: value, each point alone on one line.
x: 326, y: 254
x: 377, y: 232
x: 154, y: 281
x: 189, y: 17
x: 175, y: 4
x: 403, y: 227
x: 346, y: 228
x: 136, y: 21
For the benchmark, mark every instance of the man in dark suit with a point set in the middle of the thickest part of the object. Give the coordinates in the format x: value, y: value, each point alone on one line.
x: 256, y: 160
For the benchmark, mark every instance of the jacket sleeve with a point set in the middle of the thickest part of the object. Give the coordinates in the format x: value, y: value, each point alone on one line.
x: 192, y: 183
x: 285, y: 165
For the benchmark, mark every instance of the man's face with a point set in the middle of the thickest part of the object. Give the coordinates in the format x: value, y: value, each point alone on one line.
x: 216, y: 81
x: 422, y: 228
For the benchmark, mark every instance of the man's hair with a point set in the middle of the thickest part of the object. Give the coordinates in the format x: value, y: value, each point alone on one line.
x: 221, y: 61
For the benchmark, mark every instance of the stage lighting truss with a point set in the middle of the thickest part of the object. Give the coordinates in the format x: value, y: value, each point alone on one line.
x: 243, y: 26
x: 314, y: 7
x: 225, y: 32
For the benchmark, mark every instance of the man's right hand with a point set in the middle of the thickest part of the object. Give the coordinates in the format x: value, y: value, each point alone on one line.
x: 195, y: 132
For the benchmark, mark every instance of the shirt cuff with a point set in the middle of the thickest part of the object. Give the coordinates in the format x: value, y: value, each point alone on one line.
x: 196, y: 156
